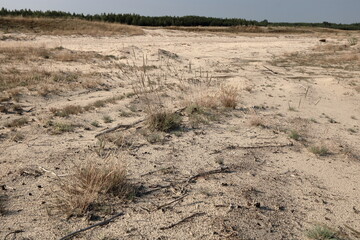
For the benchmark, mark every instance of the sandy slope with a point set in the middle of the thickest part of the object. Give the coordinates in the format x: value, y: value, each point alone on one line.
x: 271, y: 186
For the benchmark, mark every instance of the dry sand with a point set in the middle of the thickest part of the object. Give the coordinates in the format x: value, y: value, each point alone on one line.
x: 271, y: 186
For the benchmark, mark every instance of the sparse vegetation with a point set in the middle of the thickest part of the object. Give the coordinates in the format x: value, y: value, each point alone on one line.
x: 294, y: 135
x: 319, y: 150
x: 323, y: 233
x: 257, y: 121
x: 95, y: 124
x: 107, y: 119
x: 228, y: 96
x: 61, y: 127
x: 17, y: 122
x: 89, y: 185
x: 17, y: 137
x: 65, y: 26
x: 67, y: 111
x: 352, y: 41
x: 163, y: 120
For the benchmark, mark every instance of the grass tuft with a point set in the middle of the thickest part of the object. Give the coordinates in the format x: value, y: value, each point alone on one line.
x: 323, y: 233
x: 319, y: 150
x: 17, y: 122
x: 294, y: 135
x: 67, y: 111
x: 163, y: 121
x: 90, y: 184
x: 229, y: 96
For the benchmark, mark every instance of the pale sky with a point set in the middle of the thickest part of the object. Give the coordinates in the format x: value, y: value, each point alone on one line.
x: 337, y: 11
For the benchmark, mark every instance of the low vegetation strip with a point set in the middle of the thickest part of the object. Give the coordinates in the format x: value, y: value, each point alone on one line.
x: 65, y: 26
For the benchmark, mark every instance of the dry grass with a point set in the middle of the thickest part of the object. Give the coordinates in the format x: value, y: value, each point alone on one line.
x: 31, y: 52
x: 229, y: 96
x: 76, y: 109
x: 62, y: 26
x: 17, y: 122
x: 257, y: 121
x: 319, y: 150
x: 323, y: 233
x: 254, y: 30
x: 61, y: 127
x: 36, y: 79
x: 163, y: 120
x: 357, y: 88
x: 328, y: 55
x: 90, y: 185
x: 67, y: 111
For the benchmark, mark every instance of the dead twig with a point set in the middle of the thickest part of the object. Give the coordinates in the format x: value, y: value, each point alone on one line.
x: 125, y: 126
x: 183, y: 220
x: 92, y: 226
x: 271, y: 70
x: 14, y: 232
x: 174, y: 201
x: 216, y: 171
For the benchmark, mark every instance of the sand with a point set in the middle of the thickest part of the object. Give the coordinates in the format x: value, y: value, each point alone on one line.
x: 268, y: 185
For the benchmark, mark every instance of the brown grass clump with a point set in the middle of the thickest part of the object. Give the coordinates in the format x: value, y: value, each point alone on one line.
x: 357, y: 88
x: 319, y: 150
x: 257, y: 121
x: 90, y: 185
x: 68, y: 26
x: 17, y: 122
x: 67, y: 111
x: 162, y: 120
x: 61, y: 127
x: 229, y: 96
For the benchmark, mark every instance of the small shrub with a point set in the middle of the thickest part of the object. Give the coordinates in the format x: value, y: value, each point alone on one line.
x: 67, y: 111
x: 323, y: 233
x: 61, y: 127
x: 257, y: 121
x: 352, y: 41
x: 17, y: 137
x: 99, y: 103
x: 90, y: 184
x: 95, y: 124
x: 163, y: 121
x: 294, y: 135
x: 107, y: 119
x: 229, y: 96
x: 292, y: 109
x: 155, y: 137
x: 17, y: 122
x: 319, y: 150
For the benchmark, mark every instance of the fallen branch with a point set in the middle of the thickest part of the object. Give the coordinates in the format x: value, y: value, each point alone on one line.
x: 183, y: 220
x: 13, y: 233
x: 125, y: 126
x: 271, y: 70
x: 222, y: 170
x: 176, y: 200
x: 92, y: 226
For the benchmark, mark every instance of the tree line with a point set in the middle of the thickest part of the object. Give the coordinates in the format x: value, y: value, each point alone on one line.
x: 165, y: 21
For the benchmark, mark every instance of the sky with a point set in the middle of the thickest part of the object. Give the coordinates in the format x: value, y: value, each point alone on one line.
x: 336, y: 11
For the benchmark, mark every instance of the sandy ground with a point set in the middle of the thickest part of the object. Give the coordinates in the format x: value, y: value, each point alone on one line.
x: 268, y: 185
